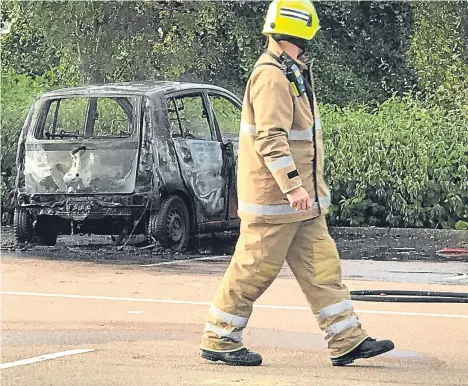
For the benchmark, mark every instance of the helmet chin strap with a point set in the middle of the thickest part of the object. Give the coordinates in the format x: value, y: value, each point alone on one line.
x: 300, y: 43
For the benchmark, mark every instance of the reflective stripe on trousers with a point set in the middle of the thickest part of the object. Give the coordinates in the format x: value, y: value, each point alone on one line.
x: 339, y: 327
x: 236, y: 336
x: 334, y: 309
x: 234, y: 320
x: 232, y: 333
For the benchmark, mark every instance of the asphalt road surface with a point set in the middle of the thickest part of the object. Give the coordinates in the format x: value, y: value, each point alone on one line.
x: 108, y: 324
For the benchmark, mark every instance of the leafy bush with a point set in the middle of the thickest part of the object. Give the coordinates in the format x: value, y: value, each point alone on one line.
x: 18, y: 93
x: 402, y: 164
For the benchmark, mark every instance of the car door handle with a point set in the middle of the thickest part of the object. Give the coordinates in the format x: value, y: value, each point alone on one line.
x: 186, y: 154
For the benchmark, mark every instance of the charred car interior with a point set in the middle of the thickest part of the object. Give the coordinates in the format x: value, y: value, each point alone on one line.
x: 154, y: 158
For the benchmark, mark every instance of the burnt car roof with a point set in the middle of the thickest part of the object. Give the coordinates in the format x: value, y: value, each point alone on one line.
x: 134, y: 88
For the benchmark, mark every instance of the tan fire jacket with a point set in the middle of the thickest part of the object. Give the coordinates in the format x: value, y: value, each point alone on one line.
x: 276, y: 148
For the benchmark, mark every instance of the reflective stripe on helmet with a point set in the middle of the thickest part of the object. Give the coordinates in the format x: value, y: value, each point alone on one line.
x: 295, y: 14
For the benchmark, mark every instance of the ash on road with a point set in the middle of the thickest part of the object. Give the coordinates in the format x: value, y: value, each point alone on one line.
x: 353, y: 243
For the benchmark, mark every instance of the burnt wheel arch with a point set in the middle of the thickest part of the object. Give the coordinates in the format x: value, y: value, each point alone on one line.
x: 171, y: 225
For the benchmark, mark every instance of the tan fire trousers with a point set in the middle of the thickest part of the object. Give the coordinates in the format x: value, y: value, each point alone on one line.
x: 260, y: 253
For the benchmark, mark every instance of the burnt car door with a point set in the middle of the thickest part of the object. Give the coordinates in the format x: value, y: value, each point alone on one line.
x: 200, y: 154
x: 83, y: 145
x: 227, y: 116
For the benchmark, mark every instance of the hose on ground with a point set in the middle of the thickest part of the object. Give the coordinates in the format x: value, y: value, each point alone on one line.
x: 409, y: 296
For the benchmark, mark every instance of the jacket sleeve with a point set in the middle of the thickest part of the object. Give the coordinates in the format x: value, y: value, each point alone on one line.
x: 273, y: 109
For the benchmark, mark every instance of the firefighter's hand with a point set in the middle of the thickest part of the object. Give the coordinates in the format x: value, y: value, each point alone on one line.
x: 299, y: 199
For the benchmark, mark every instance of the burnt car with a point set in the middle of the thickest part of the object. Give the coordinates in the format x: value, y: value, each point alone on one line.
x: 154, y: 158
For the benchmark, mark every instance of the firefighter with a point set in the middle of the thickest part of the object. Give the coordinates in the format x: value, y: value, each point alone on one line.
x: 283, y: 200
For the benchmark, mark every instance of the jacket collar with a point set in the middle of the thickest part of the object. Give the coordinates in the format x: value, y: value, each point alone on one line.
x: 276, y: 49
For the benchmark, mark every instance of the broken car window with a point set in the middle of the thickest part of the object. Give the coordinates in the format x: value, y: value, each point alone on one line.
x: 112, y: 119
x: 193, y: 117
x: 79, y: 117
x: 66, y: 118
x: 228, y: 117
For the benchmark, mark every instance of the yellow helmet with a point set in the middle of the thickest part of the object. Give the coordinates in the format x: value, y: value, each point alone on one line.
x: 292, y: 17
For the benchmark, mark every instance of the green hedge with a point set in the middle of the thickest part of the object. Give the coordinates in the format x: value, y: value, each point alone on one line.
x: 18, y: 93
x: 401, y: 164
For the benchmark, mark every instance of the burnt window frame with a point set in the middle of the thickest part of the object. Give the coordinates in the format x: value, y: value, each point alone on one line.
x: 132, y: 113
x: 90, y: 116
x: 180, y: 134
x: 43, y: 114
x: 217, y: 93
x: 207, y: 106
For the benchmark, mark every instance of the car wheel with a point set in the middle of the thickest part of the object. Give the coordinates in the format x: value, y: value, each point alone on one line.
x: 171, y: 224
x: 22, y: 226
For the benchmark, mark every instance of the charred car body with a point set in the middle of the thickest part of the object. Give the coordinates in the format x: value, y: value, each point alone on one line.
x: 153, y: 158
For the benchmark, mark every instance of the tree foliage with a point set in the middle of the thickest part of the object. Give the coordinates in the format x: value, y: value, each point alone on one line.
x: 359, y: 52
x: 24, y: 50
x: 439, y: 52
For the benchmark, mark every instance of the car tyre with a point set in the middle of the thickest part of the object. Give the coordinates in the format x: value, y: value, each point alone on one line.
x: 22, y: 226
x: 171, y: 224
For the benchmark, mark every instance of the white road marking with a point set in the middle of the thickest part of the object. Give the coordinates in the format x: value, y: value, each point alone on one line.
x: 195, y: 303
x: 44, y: 358
x: 412, y: 314
x: 182, y: 261
x: 135, y: 312
x: 370, y: 312
x: 462, y: 276
x: 69, y: 296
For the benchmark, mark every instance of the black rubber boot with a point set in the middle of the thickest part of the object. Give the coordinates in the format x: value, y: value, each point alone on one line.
x: 367, y: 349
x: 242, y: 357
